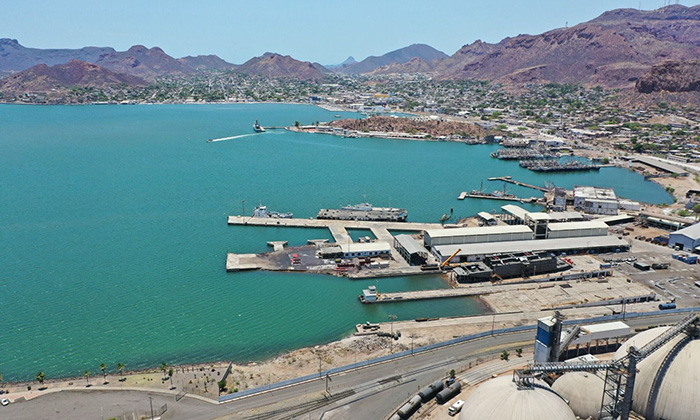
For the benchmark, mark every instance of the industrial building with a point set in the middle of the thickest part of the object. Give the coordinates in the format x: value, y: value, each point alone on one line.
x: 593, y: 200
x: 522, y: 264
x: 475, y: 235
x: 371, y: 249
x: 471, y: 273
x: 667, y: 380
x: 686, y: 239
x: 583, y: 391
x: 576, y: 229
x: 477, y: 252
x: 410, y: 249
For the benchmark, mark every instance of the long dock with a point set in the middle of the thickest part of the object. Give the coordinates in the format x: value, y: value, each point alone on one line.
x: 465, y: 194
x: 521, y: 184
x: 336, y: 227
x: 427, y: 294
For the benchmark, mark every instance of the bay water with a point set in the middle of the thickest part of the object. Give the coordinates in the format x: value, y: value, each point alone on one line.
x: 113, y: 234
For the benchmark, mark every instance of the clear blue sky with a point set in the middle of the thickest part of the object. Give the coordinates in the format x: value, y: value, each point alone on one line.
x: 313, y: 30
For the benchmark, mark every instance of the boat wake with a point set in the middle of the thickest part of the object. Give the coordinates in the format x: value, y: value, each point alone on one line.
x: 233, y: 137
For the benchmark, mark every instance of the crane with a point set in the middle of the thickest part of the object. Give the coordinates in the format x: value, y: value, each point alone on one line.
x: 620, y: 374
x: 446, y: 263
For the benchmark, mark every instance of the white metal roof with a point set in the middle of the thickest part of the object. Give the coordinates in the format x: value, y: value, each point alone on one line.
x: 592, y: 224
x: 692, y: 231
x: 365, y: 247
x: 538, y: 216
x: 616, y: 218
x: 410, y: 244
x: 485, y: 230
x: 516, y: 211
x: 486, y: 216
x: 533, y: 245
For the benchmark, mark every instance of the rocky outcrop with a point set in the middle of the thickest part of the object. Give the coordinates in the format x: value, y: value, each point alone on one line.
x: 283, y: 66
x: 75, y: 73
x: 400, y: 56
x: 671, y: 76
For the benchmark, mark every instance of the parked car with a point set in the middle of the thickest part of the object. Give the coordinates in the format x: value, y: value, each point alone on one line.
x: 4, y: 401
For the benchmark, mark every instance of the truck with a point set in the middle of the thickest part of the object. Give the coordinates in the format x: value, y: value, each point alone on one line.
x: 455, y: 408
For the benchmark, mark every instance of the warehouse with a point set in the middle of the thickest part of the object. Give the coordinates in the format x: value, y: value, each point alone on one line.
x: 477, y: 252
x: 576, y: 229
x: 371, y: 249
x: 474, y: 235
x: 686, y: 239
x: 411, y: 250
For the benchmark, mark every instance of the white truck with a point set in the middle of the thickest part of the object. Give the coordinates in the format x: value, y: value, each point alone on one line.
x: 455, y: 408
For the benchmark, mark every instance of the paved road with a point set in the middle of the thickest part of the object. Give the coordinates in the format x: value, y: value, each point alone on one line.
x: 370, y: 392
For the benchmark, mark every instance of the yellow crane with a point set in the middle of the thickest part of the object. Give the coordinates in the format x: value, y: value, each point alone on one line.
x: 446, y: 263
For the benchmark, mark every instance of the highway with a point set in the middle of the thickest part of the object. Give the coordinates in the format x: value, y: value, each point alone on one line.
x: 371, y: 392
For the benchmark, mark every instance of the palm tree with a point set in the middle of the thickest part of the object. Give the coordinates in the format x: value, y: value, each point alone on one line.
x: 164, y: 368
x: 120, y: 369
x: 170, y: 373
x: 87, y: 376
x: 103, y: 368
x: 40, y: 377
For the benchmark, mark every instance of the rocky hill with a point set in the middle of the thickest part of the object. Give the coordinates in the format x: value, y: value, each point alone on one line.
x: 206, y: 62
x: 402, y: 55
x: 53, y: 79
x: 147, y: 63
x: 276, y: 65
x: 613, y: 50
x: 138, y: 60
x: 14, y: 57
x: 671, y: 76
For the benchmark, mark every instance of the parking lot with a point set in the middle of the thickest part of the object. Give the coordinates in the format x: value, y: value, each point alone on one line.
x: 678, y: 281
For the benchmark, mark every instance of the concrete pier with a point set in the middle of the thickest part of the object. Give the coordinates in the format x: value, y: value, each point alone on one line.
x: 465, y: 194
x: 277, y: 245
x: 521, y: 184
x: 427, y: 294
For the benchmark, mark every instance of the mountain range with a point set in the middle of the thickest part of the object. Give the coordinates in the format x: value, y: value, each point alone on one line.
x: 615, y: 49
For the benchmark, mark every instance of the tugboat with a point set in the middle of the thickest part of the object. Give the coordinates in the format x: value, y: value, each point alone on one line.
x: 258, y: 128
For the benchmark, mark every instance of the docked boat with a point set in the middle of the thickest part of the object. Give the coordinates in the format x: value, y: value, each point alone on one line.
x: 258, y: 128
x: 364, y: 211
x: 262, y: 211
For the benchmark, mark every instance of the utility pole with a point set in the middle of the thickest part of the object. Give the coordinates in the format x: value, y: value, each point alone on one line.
x: 391, y: 338
x: 493, y: 323
x: 243, y: 205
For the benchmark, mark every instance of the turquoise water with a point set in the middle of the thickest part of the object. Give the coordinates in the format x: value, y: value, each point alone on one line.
x: 113, y: 230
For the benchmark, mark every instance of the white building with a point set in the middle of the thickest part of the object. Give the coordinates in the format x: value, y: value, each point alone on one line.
x: 686, y: 239
x: 576, y: 229
x: 371, y: 249
x: 471, y: 235
x: 595, y: 200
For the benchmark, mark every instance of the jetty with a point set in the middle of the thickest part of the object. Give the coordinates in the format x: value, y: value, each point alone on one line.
x: 465, y: 194
x: 510, y: 180
x: 337, y: 229
x: 427, y: 294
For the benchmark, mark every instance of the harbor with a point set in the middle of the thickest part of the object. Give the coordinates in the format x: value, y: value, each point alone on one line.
x: 487, y: 196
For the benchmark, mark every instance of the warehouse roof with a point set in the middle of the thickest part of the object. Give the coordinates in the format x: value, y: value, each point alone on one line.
x: 486, y: 216
x: 486, y: 230
x: 516, y: 211
x: 592, y: 224
x: 365, y: 247
x: 559, y: 244
x: 692, y: 231
x: 619, y: 218
x: 410, y: 244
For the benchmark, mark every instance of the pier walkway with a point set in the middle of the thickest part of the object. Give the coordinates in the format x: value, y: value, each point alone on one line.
x: 521, y: 184
x: 430, y: 294
x: 465, y: 194
x: 336, y: 227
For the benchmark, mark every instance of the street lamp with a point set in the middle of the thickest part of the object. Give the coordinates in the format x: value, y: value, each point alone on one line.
x: 243, y: 206
x: 391, y: 338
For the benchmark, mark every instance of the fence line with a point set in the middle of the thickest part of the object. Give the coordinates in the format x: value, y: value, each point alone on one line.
x: 382, y: 359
